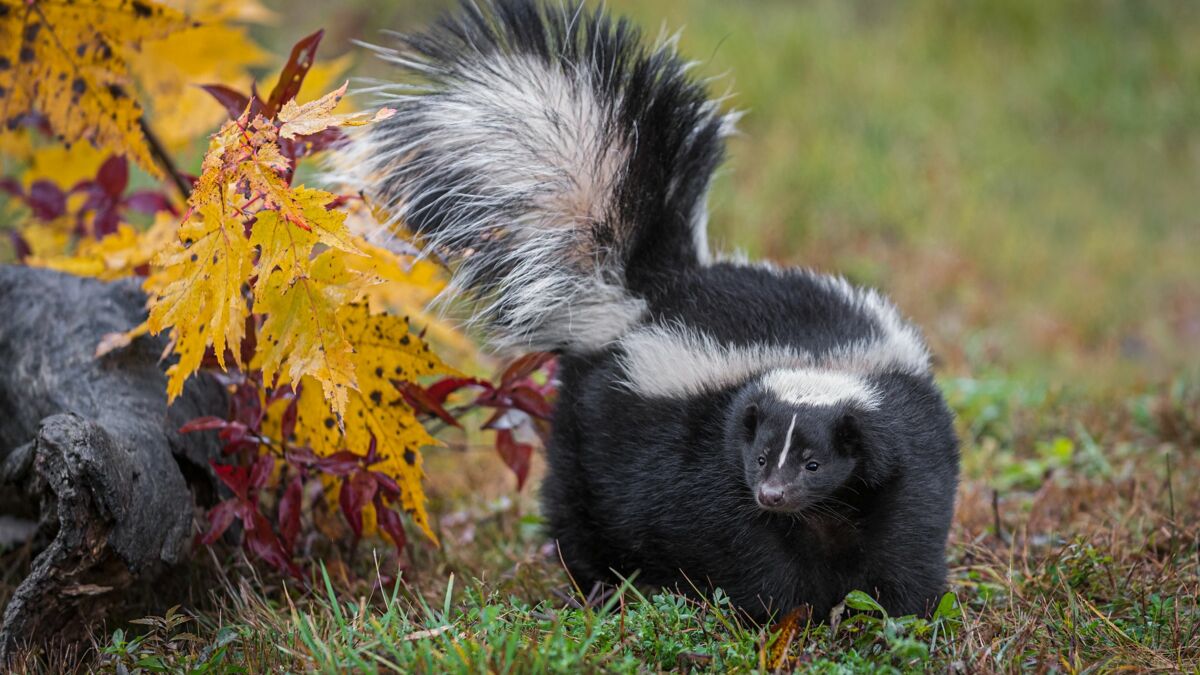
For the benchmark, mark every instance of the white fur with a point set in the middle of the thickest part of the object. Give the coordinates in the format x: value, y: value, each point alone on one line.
x: 815, y: 387
x: 542, y: 146
x: 539, y: 138
x: 900, y: 344
x: 677, y: 361
x: 787, y: 443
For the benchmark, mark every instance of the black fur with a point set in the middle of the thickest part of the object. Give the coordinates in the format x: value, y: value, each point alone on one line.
x: 692, y: 490
x: 658, y: 486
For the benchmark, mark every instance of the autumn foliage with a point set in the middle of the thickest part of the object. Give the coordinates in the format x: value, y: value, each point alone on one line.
x: 269, y: 285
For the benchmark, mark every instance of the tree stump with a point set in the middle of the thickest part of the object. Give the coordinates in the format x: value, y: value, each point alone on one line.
x: 90, y: 451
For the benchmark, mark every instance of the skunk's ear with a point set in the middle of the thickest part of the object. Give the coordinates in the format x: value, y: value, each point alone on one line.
x: 847, y: 435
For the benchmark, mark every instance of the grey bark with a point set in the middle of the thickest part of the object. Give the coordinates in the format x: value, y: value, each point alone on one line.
x: 90, y: 450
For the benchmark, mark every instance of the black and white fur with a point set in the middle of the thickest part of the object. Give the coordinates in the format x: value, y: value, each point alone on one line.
x: 773, y: 432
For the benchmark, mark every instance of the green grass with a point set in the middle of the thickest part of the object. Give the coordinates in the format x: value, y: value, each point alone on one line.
x: 1076, y: 548
x: 1022, y: 176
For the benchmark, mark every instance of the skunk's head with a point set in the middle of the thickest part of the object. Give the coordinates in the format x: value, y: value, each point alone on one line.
x: 800, y: 437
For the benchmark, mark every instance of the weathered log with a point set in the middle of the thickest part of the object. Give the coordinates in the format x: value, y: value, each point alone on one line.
x: 90, y: 449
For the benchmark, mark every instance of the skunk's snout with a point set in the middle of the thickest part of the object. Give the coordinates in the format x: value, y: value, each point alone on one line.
x: 770, y: 496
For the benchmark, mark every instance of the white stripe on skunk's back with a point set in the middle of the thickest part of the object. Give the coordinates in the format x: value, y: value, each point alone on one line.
x: 816, y: 387
x: 681, y: 361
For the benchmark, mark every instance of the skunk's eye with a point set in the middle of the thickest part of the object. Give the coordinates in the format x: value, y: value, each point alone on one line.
x: 762, y: 459
x: 812, y: 466
x: 750, y: 422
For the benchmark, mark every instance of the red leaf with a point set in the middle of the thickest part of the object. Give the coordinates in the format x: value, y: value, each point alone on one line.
x: 340, y: 463
x: 233, y: 432
x: 220, y: 517
x: 390, y: 523
x: 529, y: 400
x: 523, y: 368
x: 262, y: 542
x: 289, y: 512
x: 149, y: 201
x: 421, y: 401
x: 106, y: 221
x: 287, y: 423
x: 239, y: 446
x: 439, y: 391
x: 515, y: 455
x: 355, y: 494
x: 203, y: 424
x: 323, y: 140
x: 387, y: 484
x: 234, y: 101
x: 113, y: 176
x: 11, y: 186
x: 298, y: 63
x: 245, y: 405
x: 46, y: 200
x: 235, y: 477
x: 261, y: 471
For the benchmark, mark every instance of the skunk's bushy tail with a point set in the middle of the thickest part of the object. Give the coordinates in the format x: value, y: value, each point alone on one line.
x: 553, y: 160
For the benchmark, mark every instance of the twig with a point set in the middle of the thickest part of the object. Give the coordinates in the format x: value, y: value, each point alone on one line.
x: 996, y: 516
x: 164, y: 159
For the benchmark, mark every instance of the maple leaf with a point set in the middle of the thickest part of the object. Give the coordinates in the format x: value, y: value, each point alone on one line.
x: 68, y: 61
x: 198, y: 293
x: 62, y: 165
x: 117, y: 255
x: 169, y: 71
x: 311, y: 117
x: 302, y: 329
x: 316, y: 116
x: 286, y: 238
x: 296, y: 292
x: 385, y: 350
x: 408, y: 285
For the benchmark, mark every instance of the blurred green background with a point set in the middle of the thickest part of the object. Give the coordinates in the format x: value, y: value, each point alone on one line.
x: 1022, y: 176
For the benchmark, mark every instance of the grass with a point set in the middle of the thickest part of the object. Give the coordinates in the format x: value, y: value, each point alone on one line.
x: 1076, y: 548
x: 1021, y: 177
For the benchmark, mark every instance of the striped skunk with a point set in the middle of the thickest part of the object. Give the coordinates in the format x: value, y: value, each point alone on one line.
x: 772, y: 432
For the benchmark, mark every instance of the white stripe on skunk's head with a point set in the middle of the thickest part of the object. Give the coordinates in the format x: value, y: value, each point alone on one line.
x: 816, y: 387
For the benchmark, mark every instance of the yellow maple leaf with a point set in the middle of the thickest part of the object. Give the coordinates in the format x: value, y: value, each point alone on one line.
x: 301, y: 330
x: 309, y: 118
x: 198, y: 292
x: 385, y: 350
x: 69, y: 62
x: 48, y: 240
x: 296, y: 293
x: 116, y: 255
x: 63, y: 165
x: 170, y: 72
x: 409, y: 285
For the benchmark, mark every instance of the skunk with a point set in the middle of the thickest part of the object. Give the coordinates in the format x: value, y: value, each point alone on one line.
x: 775, y: 433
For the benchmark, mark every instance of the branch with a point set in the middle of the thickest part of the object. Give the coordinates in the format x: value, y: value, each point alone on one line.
x: 164, y: 159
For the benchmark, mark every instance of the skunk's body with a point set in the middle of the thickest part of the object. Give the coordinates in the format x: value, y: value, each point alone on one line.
x: 562, y: 168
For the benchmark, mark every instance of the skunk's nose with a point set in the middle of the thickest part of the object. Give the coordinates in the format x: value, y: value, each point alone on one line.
x: 770, y: 495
